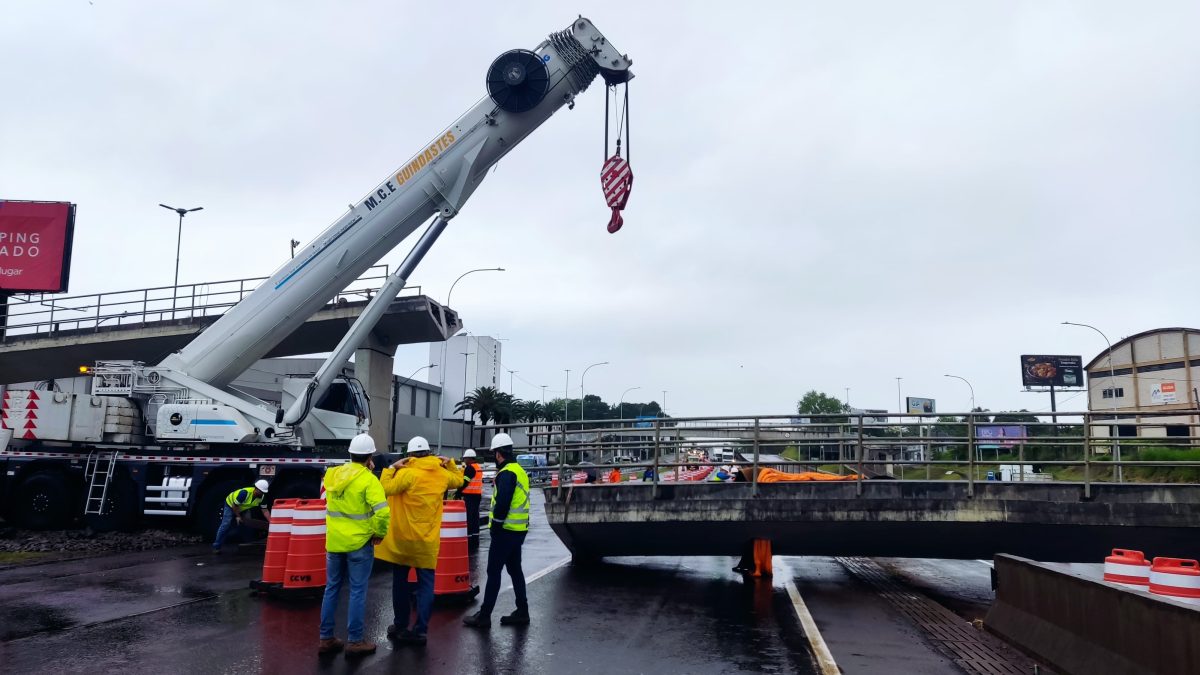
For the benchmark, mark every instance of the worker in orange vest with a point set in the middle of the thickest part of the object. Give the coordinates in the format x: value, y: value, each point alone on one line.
x: 615, y: 475
x: 472, y: 494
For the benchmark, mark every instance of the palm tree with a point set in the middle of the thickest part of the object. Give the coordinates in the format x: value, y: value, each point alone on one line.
x: 483, y: 403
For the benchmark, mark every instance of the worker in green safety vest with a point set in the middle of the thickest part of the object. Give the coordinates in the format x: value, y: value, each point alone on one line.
x: 237, y: 504
x: 509, y: 524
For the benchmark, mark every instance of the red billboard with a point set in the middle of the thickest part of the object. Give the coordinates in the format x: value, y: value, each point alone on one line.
x: 35, y: 246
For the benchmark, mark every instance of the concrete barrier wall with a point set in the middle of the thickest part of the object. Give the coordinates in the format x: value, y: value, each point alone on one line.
x: 1083, y: 626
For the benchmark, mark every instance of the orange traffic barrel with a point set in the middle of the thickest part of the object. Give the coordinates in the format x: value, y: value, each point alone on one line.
x: 453, y: 575
x: 554, y: 479
x: 1127, y: 567
x: 1175, y: 577
x: 306, y: 548
x: 279, y: 533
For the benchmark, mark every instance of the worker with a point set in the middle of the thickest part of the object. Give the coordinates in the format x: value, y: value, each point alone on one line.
x: 509, y: 525
x: 237, y: 504
x: 722, y: 474
x: 614, y: 476
x: 414, y: 487
x: 356, y: 520
x: 472, y: 494
x: 648, y: 475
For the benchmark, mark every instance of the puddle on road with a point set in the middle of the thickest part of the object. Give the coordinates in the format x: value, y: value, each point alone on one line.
x: 18, y: 621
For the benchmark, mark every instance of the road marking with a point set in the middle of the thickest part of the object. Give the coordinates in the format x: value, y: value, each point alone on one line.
x: 540, y: 573
x: 820, y: 650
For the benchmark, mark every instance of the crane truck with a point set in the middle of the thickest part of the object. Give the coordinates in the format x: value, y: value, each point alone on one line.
x: 174, y: 438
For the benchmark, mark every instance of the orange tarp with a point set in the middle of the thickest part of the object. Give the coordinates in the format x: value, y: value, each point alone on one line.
x: 773, y: 476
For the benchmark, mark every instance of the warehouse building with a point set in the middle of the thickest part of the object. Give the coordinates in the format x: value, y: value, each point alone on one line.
x: 1149, y: 385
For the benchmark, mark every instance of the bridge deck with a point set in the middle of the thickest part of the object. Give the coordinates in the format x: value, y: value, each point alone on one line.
x: 938, y: 519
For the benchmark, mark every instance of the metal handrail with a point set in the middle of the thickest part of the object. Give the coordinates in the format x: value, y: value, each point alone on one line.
x: 864, y: 442
x: 31, y: 315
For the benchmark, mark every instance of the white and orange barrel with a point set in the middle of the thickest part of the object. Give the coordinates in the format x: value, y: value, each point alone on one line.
x: 306, y: 547
x: 279, y: 535
x: 1175, y: 577
x: 1127, y: 567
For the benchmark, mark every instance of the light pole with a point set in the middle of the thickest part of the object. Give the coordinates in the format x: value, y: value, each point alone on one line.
x: 847, y: 397
x: 1112, y: 386
x: 582, y: 394
x: 969, y: 387
x: 663, y: 411
x: 511, y: 374
x: 442, y: 359
x: 543, y: 395
x: 566, y: 401
x: 621, y: 407
x: 899, y: 405
x: 466, y: 360
x: 295, y: 243
x: 178, y: 241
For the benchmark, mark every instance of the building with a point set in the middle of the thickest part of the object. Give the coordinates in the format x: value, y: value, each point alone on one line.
x: 1152, y: 374
x: 472, y: 361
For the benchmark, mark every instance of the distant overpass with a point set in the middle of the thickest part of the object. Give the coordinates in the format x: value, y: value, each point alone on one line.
x: 934, y: 519
x: 49, y: 337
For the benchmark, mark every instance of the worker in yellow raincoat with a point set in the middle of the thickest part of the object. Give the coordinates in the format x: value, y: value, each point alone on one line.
x: 415, y: 487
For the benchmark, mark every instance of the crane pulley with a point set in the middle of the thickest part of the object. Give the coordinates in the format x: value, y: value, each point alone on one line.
x: 616, y: 178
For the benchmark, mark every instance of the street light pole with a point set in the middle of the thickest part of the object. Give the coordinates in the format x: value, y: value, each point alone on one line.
x: 968, y: 386
x: 621, y: 407
x: 1112, y: 386
x: 582, y: 394
x: 899, y: 405
x: 178, y: 242
x: 543, y: 395
x: 442, y: 360
x: 566, y: 400
x: 511, y: 374
x: 663, y: 411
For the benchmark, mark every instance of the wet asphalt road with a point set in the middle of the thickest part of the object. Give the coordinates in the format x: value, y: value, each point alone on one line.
x: 187, y: 611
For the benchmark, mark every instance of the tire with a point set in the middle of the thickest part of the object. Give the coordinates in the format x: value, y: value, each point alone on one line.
x: 124, y: 512
x: 298, y: 486
x: 211, y: 505
x: 43, y: 501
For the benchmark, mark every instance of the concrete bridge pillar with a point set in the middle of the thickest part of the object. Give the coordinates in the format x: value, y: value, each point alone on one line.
x: 373, y: 362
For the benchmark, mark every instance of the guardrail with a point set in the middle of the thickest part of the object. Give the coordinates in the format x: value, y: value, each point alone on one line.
x: 1087, y: 448
x: 31, y: 315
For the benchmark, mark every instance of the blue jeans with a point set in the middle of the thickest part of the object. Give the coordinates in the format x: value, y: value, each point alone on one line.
x: 357, y: 566
x: 504, y: 553
x: 402, y: 589
x: 227, y: 518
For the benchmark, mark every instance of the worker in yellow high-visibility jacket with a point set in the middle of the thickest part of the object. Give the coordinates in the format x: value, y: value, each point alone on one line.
x: 356, y: 519
x: 509, y: 525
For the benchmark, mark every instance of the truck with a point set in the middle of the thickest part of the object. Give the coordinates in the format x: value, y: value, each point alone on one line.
x: 131, y: 439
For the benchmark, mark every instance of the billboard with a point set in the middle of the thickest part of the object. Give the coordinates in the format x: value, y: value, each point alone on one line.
x: 35, y: 246
x: 1040, y: 370
x: 999, y: 435
x: 920, y: 405
x: 1163, y: 393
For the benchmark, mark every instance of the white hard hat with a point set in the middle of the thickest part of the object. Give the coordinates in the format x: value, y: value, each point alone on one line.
x: 362, y: 444
x: 468, y: 453
x: 501, y: 440
x: 261, y: 486
x: 418, y: 444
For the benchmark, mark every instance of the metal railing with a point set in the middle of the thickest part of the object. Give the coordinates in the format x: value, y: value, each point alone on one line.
x: 1084, y: 448
x: 34, y: 315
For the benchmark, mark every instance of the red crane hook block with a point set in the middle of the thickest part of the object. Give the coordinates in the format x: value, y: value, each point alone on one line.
x: 616, y: 179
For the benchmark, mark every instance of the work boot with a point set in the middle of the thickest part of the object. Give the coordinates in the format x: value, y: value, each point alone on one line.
x: 360, y: 648
x: 478, y: 620
x: 330, y: 646
x: 407, y: 637
x: 517, y: 618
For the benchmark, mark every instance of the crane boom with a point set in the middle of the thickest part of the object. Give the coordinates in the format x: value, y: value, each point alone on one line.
x: 526, y: 87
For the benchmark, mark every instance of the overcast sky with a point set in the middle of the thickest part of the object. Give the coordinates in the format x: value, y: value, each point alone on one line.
x: 827, y: 195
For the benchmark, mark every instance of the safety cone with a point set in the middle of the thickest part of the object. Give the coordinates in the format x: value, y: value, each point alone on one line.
x: 1176, y: 577
x: 1127, y: 567
x: 305, y: 569
x: 453, y: 576
x: 279, y: 533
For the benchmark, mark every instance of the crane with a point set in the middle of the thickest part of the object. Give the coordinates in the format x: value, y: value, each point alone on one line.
x: 186, y: 396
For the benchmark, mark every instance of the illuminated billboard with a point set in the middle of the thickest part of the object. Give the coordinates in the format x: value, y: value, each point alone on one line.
x: 35, y: 246
x: 1040, y: 370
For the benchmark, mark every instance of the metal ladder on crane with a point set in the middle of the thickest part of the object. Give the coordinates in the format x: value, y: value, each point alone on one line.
x: 99, y: 472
